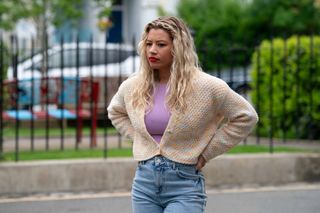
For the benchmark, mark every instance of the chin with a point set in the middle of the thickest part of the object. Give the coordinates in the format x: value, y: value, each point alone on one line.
x: 154, y: 67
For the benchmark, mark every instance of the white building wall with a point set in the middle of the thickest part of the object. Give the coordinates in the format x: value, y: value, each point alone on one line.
x: 140, y: 12
x: 90, y: 20
x: 132, y: 25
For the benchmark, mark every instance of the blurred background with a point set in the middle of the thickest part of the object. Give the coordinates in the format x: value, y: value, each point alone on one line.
x: 61, y: 61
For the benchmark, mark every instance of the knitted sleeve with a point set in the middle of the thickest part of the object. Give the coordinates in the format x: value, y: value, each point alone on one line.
x: 240, y: 118
x: 118, y: 115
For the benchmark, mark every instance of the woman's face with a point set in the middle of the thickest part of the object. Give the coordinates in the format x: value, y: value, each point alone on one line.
x: 159, y: 46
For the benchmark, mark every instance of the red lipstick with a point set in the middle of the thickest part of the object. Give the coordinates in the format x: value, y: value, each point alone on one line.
x: 153, y: 59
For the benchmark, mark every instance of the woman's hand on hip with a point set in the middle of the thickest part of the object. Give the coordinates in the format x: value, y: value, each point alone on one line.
x: 201, y: 163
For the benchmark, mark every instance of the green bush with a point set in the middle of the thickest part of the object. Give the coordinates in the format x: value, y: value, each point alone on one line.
x: 294, y: 68
x: 217, y: 26
x: 225, y: 24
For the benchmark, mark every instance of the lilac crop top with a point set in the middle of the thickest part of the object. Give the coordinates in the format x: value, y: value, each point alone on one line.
x: 156, y: 120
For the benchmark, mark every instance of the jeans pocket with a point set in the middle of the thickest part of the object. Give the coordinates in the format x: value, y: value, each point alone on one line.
x: 190, y: 174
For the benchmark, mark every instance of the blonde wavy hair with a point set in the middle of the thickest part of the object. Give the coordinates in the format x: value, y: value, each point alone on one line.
x: 183, y: 69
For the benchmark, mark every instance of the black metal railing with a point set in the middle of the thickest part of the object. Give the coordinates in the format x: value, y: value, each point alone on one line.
x: 73, y: 85
x: 1, y: 94
x: 293, y: 65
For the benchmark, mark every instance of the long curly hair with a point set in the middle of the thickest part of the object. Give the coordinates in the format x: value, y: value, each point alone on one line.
x: 184, y: 67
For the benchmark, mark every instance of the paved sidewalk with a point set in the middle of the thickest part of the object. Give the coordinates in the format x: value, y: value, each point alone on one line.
x: 296, y: 198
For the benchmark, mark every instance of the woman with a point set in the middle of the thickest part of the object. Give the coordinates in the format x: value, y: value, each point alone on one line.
x: 178, y: 118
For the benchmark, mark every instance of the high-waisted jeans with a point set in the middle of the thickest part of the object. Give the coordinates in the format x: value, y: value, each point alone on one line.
x: 163, y: 186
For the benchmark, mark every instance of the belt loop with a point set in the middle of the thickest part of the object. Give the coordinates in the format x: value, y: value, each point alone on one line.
x: 173, y: 165
x: 143, y: 162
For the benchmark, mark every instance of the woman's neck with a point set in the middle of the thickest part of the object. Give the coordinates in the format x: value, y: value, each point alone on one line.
x: 163, y: 76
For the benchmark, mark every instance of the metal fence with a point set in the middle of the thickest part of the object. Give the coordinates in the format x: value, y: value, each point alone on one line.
x: 63, y: 92
x: 281, y: 79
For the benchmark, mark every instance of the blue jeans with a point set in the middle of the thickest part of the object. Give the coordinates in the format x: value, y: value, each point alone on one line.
x: 163, y: 186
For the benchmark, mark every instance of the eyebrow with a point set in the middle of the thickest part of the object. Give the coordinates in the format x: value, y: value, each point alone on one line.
x: 148, y: 40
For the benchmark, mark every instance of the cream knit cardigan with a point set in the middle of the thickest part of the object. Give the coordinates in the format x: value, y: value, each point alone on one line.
x: 216, y: 119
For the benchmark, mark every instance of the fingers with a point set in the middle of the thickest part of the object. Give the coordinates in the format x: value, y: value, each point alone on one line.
x: 201, y: 163
x: 199, y: 166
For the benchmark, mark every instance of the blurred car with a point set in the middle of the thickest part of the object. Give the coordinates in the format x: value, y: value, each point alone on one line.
x: 120, y: 60
x: 238, y: 78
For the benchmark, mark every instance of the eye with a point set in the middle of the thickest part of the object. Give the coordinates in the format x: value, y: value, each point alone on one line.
x: 161, y: 45
x: 148, y: 44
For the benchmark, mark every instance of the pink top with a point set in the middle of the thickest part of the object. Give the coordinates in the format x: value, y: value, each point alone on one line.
x: 156, y: 120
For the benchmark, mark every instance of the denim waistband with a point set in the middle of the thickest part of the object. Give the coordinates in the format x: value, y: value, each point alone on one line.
x: 161, y: 160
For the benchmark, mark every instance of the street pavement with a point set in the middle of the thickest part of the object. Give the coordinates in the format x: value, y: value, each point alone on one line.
x: 295, y: 198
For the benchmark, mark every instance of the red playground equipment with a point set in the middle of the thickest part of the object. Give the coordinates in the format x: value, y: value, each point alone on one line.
x: 55, y: 98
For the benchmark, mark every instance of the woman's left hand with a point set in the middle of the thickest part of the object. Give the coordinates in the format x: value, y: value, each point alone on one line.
x: 201, y: 163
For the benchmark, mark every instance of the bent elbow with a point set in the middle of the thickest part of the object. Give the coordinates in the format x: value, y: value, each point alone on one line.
x: 253, y: 117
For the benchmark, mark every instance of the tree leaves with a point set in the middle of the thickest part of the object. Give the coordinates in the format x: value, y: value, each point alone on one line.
x: 57, y: 12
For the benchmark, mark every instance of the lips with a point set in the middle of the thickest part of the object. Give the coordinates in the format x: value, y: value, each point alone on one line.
x: 153, y: 59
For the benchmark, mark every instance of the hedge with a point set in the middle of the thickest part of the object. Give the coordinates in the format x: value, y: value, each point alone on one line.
x: 285, y: 87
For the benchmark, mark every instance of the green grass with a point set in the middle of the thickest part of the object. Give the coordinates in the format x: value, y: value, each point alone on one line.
x: 98, y: 153
x: 245, y: 149
x: 53, y: 132
x: 67, y: 154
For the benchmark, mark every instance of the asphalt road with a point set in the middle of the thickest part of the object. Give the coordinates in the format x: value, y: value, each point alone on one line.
x: 291, y: 199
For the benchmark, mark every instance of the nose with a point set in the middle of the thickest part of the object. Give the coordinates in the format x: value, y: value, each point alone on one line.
x: 153, y: 49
